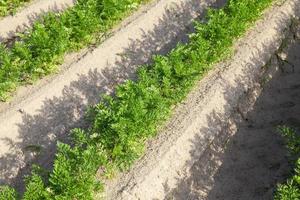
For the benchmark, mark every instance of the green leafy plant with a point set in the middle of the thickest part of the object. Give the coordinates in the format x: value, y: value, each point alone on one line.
x: 291, y: 189
x: 120, y: 125
x: 42, y: 48
x: 8, y: 7
x: 292, y: 139
x: 7, y: 193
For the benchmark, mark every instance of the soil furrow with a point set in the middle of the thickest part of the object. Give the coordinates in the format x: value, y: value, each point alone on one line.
x: 205, y: 118
x: 41, y: 114
x: 251, y: 162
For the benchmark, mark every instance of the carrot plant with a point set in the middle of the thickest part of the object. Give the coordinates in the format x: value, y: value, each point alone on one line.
x: 42, y: 48
x: 8, y: 7
x: 7, y: 193
x: 291, y: 189
x: 120, y: 125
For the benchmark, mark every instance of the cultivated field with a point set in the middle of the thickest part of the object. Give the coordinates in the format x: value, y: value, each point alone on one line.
x: 141, y: 99
x: 249, y: 161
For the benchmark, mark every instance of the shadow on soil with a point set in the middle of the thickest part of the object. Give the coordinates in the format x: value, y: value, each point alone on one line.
x: 248, y: 158
x: 39, y: 133
x: 32, y: 18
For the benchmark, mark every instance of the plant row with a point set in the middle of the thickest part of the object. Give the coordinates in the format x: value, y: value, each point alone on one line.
x: 8, y: 7
x: 291, y: 189
x: 120, y: 125
x: 39, y: 50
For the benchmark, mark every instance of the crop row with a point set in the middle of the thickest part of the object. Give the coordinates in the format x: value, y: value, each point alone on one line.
x: 291, y: 189
x: 120, y: 125
x: 8, y: 7
x: 41, y: 49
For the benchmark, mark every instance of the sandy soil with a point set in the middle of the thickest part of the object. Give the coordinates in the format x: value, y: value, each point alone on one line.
x: 179, y: 163
x: 24, y: 18
x: 206, y: 151
x: 40, y: 115
x: 251, y: 162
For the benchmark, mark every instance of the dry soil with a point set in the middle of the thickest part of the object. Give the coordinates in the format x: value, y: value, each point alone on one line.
x: 25, y: 16
x: 39, y: 115
x: 250, y: 163
x: 221, y: 142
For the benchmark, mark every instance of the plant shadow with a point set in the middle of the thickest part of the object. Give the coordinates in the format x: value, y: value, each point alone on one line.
x: 33, y: 17
x: 39, y: 133
x: 247, y: 157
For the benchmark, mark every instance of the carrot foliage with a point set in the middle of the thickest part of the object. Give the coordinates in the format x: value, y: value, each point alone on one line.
x: 120, y: 125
